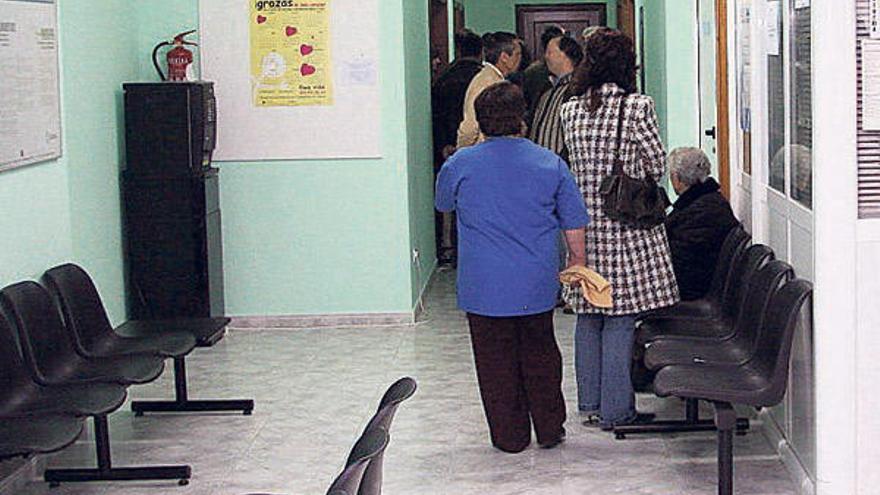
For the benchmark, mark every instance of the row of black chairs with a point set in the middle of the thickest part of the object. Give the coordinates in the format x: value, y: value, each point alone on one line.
x: 61, y: 361
x: 731, y: 348
x: 362, y: 474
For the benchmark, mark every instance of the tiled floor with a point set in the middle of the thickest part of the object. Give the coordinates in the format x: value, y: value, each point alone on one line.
x: 315, y: 389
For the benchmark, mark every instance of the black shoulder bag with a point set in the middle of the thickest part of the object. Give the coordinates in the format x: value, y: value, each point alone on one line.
x: 639, y: 203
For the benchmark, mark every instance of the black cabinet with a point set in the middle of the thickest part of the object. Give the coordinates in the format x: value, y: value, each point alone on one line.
x: 171, y: 203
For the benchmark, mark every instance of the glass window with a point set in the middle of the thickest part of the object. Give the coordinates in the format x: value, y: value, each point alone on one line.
x: 775, y: 96
x: 801, y: 169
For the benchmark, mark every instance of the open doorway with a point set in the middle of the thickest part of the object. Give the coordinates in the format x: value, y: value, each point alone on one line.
x: 713, y: 87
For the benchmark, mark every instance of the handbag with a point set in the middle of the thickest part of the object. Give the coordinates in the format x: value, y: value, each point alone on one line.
x: 639, y: 203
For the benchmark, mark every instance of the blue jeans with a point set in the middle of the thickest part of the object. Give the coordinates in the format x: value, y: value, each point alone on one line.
x: 603, y: 355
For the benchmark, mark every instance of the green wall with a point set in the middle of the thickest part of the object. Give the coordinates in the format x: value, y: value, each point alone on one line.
x: 483, y: 16
x: 327, y: 236
x: 68, y: 209
x: 419, y: 143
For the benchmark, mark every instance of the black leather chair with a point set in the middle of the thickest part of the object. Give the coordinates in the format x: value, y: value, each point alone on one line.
x: 24, y: 436
x: 761, y: 382
x: 84, y: 312
x: 52, y: 362
x: 369, y: 446
x: 740, y: 348
x: 751, y: 260
x: 710, y: 305
x: 398, y: 392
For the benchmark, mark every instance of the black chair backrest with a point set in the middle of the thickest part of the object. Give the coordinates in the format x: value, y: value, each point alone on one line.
x: 761, y: 289
x: 80, y: 304
x: 13, y: 373
x: 44, y: 341
x: 369, y: 446
x: 752, y: 259
x: 731, y: 249
x: 398, y: 392
x: 773, y: 354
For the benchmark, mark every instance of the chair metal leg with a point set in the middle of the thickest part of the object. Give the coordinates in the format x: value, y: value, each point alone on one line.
x: 181, y: 403
x: 725, y: 420
x: 691, y: 423
x: 105, y: 470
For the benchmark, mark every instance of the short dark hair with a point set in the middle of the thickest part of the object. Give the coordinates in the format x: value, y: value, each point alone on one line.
x: 548, y: 35
x: 609, y: 57
x: 501, y: 109
x: 494, y: 44
x: 468, y: 44
x: 572, y: 49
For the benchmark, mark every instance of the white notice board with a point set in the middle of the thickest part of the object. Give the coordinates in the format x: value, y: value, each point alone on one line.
x: 322, y: 57
x: 30, y: 115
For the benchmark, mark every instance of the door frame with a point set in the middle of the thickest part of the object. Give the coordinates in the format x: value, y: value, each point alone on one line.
x: 723, y: 142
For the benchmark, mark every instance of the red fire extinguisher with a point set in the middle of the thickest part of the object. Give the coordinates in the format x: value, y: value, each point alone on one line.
x: 178, y: 58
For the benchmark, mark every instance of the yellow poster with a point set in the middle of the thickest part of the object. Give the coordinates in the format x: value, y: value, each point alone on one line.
x: 290, y: 53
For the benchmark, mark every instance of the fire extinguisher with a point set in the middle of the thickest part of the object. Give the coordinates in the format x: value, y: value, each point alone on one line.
x: 178, y: 58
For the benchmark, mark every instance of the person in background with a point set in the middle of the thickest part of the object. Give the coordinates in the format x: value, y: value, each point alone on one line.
x: 562, y: 55
x: 700, y: 220
x: 512, y: 198
x: 636, y: 261
x: 518, y: 76
x: 447, y: 104
x: 536, y: 77
x: 501, y: 55
x: 587, y: 32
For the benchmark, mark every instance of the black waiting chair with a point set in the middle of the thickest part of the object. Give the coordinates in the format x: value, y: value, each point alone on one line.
x: 53, y: 363
x: 24, y: 436
x: 49, y: 349
x: 761, y: 382
x: 743, y: 344
x: 710, y: 305
x: 369, y: 446
x: 84, y: 312
x: 745, y: 267
x: 398, y: 392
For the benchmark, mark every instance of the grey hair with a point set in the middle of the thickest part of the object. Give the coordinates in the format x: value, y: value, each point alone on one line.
x: 589, y: 31
x: 690, y: 165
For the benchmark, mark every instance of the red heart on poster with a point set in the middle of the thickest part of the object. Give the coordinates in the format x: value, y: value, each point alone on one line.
x: 291, y: 30
x: 307, y: 70
x: 306, y: 49
x: 261, y: 19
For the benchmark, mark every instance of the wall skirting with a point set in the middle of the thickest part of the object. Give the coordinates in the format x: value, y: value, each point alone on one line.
x: 793, y: 464
x: 322, y: 321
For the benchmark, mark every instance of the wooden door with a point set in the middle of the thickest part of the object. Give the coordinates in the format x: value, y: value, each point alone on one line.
x: 626, y: 17
x: 531, y: 21
x: 439, y: 27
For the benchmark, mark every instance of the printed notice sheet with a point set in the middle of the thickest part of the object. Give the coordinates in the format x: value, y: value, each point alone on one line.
x: 290, y: 53
x: 30, y: 123
x: 870, y: 85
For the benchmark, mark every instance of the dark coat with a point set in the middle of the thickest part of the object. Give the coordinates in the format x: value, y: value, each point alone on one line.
x: 700, y: 220
x: 448, y: 102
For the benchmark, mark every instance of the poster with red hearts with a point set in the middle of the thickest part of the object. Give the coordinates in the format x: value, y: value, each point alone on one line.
x: 290, y: 59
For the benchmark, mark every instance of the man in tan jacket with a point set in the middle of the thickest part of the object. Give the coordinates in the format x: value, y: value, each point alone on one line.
x: 502, y: 56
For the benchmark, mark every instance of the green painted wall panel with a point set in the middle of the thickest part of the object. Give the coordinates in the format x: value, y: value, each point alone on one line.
x: 500, y: 15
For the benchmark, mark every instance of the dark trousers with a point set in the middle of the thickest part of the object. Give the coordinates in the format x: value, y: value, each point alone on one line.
x: 519, y: 369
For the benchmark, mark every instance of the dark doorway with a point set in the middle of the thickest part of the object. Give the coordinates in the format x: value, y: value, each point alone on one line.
x: 532, y: 20
x: 439, y: 25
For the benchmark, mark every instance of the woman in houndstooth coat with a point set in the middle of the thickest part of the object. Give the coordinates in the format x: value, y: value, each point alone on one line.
x: 636, y: 261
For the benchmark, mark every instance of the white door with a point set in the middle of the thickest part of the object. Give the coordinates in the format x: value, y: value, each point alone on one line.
x: 707, y: 78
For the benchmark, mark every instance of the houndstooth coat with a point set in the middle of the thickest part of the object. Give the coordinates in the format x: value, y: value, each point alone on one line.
x: 636, y: 261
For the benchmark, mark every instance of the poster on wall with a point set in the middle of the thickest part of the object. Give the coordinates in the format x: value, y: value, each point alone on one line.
x: 30, y: 115
x: 291, y: 64
x: 294, y: 79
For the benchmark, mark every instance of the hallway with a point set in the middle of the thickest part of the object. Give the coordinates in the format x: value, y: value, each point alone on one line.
x: 313, y: 399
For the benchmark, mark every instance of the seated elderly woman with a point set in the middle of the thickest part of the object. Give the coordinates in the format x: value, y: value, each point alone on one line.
x: 512, y: 198
x: 700, y: 220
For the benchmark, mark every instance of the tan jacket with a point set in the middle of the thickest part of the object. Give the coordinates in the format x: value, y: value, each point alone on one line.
x: 469, y: 129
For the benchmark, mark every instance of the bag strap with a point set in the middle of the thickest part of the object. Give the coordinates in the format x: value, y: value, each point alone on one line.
x: 618, y: 153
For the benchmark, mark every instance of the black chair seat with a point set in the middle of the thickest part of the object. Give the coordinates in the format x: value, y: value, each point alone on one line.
x: 696, y: 309
x: 168, y: 345
x: 24, y: 436
x: 80, y: 400
x: 133, y: 369
x: 207, y: 331
x: 668, y: 352
x: 711, y: 330
x: 741, y: 384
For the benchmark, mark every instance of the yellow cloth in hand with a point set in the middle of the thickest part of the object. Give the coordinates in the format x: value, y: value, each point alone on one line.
x: 596, y: 290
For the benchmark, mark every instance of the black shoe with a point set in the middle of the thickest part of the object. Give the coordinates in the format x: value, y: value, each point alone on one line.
x: 553, y: 443
x: 639, y: 419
